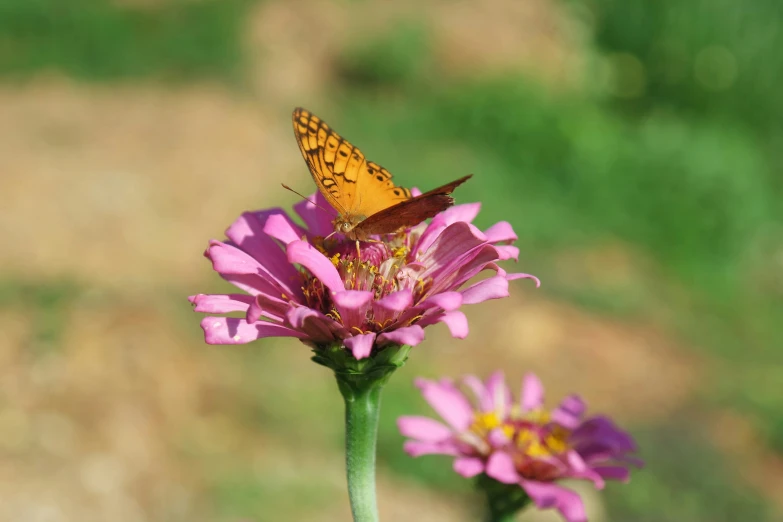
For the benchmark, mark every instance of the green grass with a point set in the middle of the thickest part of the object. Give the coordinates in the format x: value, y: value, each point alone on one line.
x: 102, y: 40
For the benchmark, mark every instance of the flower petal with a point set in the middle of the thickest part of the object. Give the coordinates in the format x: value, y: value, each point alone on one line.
x: 468, y: 466
x: 423, y: 429
x: 360, y: 345
x: 220, y: 303
x: 507, y: 252
x: 448, y: 402
x: 247, y: 232
x: 479, y: 390
x: 501, y: 231
x: 613, y: 473
x: 500, y: 467
x: 569, y: 412
x: 455, y: 321
x: 231, y: 330
x: 308, y: 256
x: 265, y: 306
x: 416, y: 448
x: 283, y: 229
x: 407, y: 335
x: 511, y: 277
x: 353, y: 306
x: 547, y: 495
x: 447, y: 301
x: 317, y: 214
x: 491, y: 288
x: 532, y: 395
x: 317, y: 327
x: 499, y: 393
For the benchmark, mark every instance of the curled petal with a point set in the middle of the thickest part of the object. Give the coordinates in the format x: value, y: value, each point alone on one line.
x: 532, y: 396
x: 308, y: 256
x: 448, y: 401
x: 511, y: 277
x: 230, y: 330
x: 507, y: 252
x: 220, y: 303
x: 407, y: 335
x: 547, y: 495
x: 423, y: 429
x: 468, y: 466
x: 280, y: 227
x: 228, y: 259
x: 360, y: 345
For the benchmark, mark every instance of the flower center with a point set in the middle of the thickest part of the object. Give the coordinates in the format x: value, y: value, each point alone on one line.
x: 372, y: 266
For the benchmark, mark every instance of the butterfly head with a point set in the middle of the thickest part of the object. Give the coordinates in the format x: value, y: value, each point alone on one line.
x: 346, y: 225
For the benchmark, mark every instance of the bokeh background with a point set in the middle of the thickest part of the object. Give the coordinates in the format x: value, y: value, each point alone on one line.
x: 634, y: 145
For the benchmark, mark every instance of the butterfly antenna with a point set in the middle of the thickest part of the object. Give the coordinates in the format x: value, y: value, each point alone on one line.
x: 303, y: 197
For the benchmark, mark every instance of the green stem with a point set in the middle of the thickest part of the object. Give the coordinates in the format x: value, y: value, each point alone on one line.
x: 362, y: 408
x: 503, y: 501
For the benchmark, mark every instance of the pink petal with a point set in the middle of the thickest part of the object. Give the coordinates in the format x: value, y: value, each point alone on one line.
x: 580, y: 469
x: 265, y: 306
x: 532, y: 395
x: 247, y: 232
x: 546, y: 495
x: 317, y: 214
x: 389, y: 307
x: 497, y: 438
x: 228, y: 259
x: 569, y: 412
x: 448, y: 402
x: 360, y: 345
x: 416, y: 448
x: 456, y: 322
x: 308, y: 256
x: 283, y: 229
x: 491, y: 288
x: 353, y: 306
x: 449, y: 250
x: 507, y: 252
x: 501, y: 231
x: 230, y: 330
x: 613, y: 473
x: 423, y: 429
x: 471, y: 264
x: 447, y: 301
x: 468, y: 466
x: 500, y: 467
x: 499, y: 393
x: 511, y: 277
x: 483, y: 398
x: 317, y: 327
x: 220, y: 303
x: 466, y: 212
x: 408, y: 335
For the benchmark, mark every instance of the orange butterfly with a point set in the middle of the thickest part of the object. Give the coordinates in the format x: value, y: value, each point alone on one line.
x: 361, y: 191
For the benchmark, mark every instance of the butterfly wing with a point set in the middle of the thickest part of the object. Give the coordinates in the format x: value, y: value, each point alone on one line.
x: 350, y: 183
x: 410, y: 212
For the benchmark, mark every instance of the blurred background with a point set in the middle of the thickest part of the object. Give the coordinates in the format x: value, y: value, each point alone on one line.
x: 632, y: 144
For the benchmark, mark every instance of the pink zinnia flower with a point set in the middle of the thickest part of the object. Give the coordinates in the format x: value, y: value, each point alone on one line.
x: 296, y: 284
x: 521, y: 443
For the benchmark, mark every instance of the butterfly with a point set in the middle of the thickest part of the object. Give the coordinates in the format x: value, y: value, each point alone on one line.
x: 361, y: 191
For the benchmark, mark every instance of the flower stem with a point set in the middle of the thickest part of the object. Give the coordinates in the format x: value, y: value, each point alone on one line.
x: 503, y: 501
x: 362, y: 408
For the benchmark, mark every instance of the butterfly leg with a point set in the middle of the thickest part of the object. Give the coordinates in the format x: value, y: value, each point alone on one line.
x: 358, y: 251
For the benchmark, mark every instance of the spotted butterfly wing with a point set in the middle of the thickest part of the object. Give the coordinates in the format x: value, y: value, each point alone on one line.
x: 362, y: 192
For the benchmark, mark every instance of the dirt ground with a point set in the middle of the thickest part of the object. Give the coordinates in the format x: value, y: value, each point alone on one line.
x: 118, y: 188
